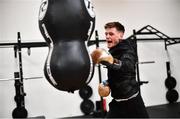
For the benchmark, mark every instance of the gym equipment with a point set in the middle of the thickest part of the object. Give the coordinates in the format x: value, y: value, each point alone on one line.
x: 20, y: 111
x: 101, y: 110
x: 85, y: 92
x: 170, y: 83
x: 87, y: 106
x: 101, y: 102
x: 13, y: 79
x: 172, y: 96
x: 146, y: 62
x: 65, y: 26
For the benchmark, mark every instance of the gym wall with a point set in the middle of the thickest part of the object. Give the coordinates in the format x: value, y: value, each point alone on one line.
x: 42, y: 98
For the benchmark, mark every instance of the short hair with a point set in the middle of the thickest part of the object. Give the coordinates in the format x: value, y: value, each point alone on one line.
x: 116, y: 25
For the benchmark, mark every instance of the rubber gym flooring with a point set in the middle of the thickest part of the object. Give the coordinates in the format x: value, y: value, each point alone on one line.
x: 165, y: 111
x: 158, y: 111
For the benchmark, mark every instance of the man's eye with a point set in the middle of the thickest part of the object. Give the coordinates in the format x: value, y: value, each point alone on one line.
x: 110, y: 34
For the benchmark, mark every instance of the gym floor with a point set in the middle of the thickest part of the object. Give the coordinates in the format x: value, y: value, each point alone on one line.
x: 164, y: 111
x: 159, y: 111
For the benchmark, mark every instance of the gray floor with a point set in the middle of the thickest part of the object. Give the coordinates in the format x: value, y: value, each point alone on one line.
x: 159, y: 111
x: 165, y: 111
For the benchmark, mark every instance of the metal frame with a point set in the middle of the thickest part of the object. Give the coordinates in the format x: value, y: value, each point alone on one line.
x: 149, y: 30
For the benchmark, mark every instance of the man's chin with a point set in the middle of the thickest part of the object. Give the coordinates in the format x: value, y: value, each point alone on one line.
x: 110, y: 45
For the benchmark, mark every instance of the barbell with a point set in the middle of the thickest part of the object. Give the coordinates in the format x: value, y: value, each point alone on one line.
x: 13, y: 79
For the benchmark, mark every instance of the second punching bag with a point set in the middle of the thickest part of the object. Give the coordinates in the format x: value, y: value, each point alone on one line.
x: 66, y: 25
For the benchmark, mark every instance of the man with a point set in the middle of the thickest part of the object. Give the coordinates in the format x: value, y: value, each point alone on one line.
x: 126, y: 102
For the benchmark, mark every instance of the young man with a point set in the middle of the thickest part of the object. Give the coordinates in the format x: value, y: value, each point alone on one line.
x: 126, y: 102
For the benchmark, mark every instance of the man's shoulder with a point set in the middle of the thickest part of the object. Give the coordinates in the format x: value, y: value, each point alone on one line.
x: 131, y: 44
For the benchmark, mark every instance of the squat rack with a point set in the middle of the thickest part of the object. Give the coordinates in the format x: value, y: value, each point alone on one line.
x: 170, y: 82
x: 20, y: 110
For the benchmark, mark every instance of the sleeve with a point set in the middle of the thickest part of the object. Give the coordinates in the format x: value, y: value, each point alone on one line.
x: 128, y: 61
x: 125, y: 63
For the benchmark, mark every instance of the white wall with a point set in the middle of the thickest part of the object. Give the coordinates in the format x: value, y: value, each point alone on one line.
x: 42, y: 98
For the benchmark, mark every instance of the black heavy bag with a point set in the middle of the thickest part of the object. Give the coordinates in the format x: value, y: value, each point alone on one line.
x: 66, y: 25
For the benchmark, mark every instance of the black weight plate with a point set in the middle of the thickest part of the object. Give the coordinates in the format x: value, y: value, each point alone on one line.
x: 85, y: 92
x: 87, y: 106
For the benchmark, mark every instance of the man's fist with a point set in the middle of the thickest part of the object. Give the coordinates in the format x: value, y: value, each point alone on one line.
x: 103, y: 90
x: 99, y: 55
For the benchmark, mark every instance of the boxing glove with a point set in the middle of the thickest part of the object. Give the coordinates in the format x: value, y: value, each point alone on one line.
x: 104, y: 89
x: 100, y: 55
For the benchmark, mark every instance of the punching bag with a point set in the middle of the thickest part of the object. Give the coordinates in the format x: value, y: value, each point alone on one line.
x: 66, y: 26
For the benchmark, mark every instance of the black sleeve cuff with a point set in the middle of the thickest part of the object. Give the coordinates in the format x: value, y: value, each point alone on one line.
x: 114, y: 66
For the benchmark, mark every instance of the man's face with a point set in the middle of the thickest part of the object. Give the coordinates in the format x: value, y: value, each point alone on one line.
x: 113, y: 36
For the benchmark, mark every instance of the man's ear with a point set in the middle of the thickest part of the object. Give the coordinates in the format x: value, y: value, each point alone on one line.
x: 121, y: 35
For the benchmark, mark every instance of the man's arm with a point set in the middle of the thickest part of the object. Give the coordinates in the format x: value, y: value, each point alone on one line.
x: 125, y: 63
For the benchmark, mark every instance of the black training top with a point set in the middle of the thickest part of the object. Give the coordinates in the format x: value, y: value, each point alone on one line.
x: 123, y: 82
